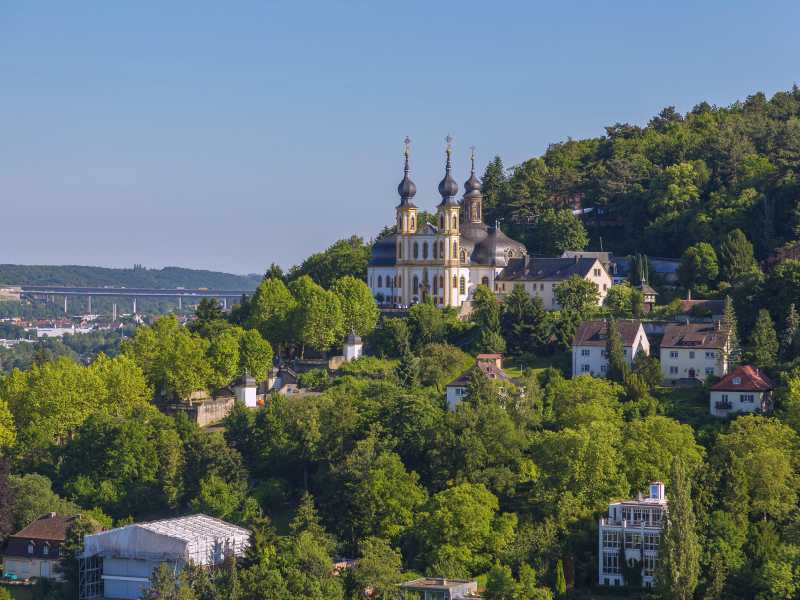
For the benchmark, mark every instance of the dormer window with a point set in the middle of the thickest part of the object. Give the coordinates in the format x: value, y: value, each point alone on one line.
x: 737, y: 381
x: 30, y: 548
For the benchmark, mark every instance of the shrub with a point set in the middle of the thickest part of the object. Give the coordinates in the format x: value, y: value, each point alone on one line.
x: 314, y: 378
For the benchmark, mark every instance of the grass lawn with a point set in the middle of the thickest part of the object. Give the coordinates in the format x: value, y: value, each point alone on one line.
x: 540, y: 363
x: 20, y: 592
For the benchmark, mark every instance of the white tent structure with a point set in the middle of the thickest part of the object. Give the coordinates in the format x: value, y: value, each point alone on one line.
x: 130, y: 553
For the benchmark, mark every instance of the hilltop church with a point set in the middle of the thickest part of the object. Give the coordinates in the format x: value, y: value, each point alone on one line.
x: 443, y: 260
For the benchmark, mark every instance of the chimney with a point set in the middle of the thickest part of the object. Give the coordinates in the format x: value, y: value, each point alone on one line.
x: 640, y: 496
x: 52, y: 515
x: 576, y: 259
x: 689, y: 294
x: 716, y: 325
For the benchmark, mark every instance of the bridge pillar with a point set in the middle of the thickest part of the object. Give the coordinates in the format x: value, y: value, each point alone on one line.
x: 90, y: 304
x: 225, y: 303
x: 65, y: 304
x: 134, y: 306
x: 180, y: 302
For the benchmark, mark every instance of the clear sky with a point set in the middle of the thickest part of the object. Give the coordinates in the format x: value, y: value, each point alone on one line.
x: 228, y: 135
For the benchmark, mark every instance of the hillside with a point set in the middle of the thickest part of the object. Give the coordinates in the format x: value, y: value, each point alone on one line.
x: 77, y: 276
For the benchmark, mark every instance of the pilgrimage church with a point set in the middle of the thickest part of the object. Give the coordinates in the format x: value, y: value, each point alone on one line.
x: 444, y: 260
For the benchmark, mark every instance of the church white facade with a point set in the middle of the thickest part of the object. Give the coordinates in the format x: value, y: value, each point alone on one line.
x: 443, y: 260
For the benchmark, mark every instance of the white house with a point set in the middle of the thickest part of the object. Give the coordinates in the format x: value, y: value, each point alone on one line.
x: 635, y: 526
x: 690, y: 352
x: 589, y: 345
x: 457, y: 388
x: 616, y: 271
x: 352, y: 347
x: 745, y: 389
x: 246, y: 390
x: 541, y: 276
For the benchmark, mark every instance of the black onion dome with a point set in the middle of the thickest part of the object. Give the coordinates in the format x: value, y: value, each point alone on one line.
x: 406, y: 189
x: 491, y: 251
x: 448, y: 187
x: 472, y: 187
x: 384, y: 252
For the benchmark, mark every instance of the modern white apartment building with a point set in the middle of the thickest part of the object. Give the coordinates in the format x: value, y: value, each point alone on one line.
x: 635, y: 527
x: 589, y: 345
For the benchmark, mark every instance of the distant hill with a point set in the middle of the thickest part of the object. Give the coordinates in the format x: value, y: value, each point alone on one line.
x: 169, y: 277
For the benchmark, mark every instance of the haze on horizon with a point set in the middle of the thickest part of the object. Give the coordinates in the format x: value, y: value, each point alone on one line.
x: 228, y: 136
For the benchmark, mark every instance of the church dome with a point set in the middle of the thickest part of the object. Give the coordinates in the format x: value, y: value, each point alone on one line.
x: 406, y: 189
x: 472, y: 187
x: 493, y: 249
x: 448, y: 187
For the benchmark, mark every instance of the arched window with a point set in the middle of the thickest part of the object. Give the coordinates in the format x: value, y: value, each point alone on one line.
x: 415, y: 252
x: 478, y: 210
x: 435, y: 286
x: 455, y: 222
x: 441, y: 250
x: 415, y: 285
x: 463, y: 256
x: 485, y: 281
x: 400, y: 250
x: 399, y: 281
x: 424, y: 250
x: 455, y: 281
x: 412, y: 223
x: 462, y: 287
x: 441, y: 221
x: 435, y: 248
x: 380, y: 281
x: 510, y: 253
x: 455, y: 249
x: 399, y: 223
x: 441, y: 283
x: 405, y: 222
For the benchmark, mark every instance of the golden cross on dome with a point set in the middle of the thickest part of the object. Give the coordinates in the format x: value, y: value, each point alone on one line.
x: 449, y: 139
x: 473, y: 151
x: 407, y: 140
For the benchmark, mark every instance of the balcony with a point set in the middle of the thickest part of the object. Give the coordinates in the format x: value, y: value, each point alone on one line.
x: 723, y: 405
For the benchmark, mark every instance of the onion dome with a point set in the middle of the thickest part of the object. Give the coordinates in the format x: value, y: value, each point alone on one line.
x: 246, y: 380
x: 448, y: 187
x: 406, y: 189
x: 473, y: 185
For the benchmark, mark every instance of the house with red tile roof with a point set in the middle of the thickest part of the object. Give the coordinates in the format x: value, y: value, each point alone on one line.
x: 745, y: 389
x: 457, y: 388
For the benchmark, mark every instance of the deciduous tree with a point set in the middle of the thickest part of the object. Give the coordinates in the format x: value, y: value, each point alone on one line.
x: 577, y: 293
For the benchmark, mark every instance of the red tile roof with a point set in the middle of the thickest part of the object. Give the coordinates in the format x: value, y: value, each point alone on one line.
x: 491, y: 371
x: 489, y: 356
x: 751, y: 380
x: 715, y: 306
x: 692, y: 335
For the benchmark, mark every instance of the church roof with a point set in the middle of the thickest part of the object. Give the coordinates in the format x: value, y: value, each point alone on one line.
x: 545, y: 269
x: 352, y: 338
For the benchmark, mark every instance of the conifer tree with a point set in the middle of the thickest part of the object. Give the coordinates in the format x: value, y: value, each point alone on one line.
x: 788, y: 339
x: 493, y: 187
x: 679, y: 552
x: 42, y: 357
x: 729, y: 351
x: 408, y: 370
x: 561, y: 582
x: 763, y: 342
x: 618, y: 369
x: 524, y: 324
x: 735, y: 256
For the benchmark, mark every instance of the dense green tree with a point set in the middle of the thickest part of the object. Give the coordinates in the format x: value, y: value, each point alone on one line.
x: 440, y: 364
x: 618, y: 298
x: 9, y: 503
x: 763, y: 348
x: 561, y: 583
x: 210, y: 320
x: 359, y: 311
x: 344, y: 258
x: 791, y: 334
x: 698, y: 266
x: 274, y: 272
x: 34, y: 497
x: 524, y: 323
x: 426, y: 324
x: 559, y: 231
x: 648, y: 367
x: 379, y: 569
x: 735, y: 257
x: 408, y: 370
x: 578, y: 294
x: 493, y: 186
x: 68, y: 566
x: 618, y: 369
x: 500, y: 584
x: 393, y: 337
x: 679, y: 552
x: 317, y: 316
x: 485, y: 308
x: 461, y: 525
x: 271, y: 310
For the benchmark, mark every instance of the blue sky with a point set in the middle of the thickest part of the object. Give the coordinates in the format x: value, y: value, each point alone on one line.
x: 229, y: 135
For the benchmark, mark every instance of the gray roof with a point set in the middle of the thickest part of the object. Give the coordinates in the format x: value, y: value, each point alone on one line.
x: 352, y: 338
x: 589, y: 333
x: 545, y: 269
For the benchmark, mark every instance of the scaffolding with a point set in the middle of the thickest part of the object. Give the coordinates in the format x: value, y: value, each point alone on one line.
x: 90, y: 582
x: 206, y: 541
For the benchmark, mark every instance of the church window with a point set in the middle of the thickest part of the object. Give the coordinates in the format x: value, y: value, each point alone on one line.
x: 485, y: 281
x: 455, y: 281
x: 399, y: 281
x: 425, y: 250
x: 415, y: 252
x: 412, y: 223
x: 441, y: 283
x: 478, y: 211
x: 462, y: 288
x: 441, y: 221
x: 510, y: 253
x: 405, y: 222
x: 415, y: 285
x: 455, y: 249
x: 441, y: 250
x: 380, y: 281
x: 399, y: 250
x: 399, y: 223
x: 435, y: 286
x: 463, y: 256
x: 435, y: 250
x: 455, y: 222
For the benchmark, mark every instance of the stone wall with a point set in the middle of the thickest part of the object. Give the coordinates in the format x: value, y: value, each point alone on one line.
x: 203, y: 413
